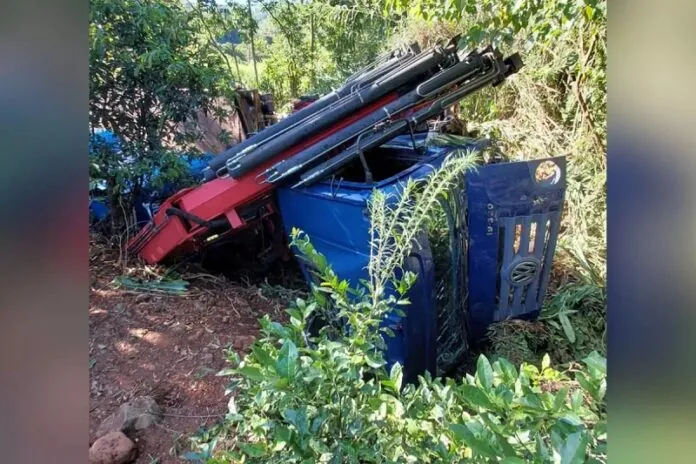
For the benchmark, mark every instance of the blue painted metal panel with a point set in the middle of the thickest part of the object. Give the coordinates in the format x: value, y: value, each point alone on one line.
x: 513, y: 223
x: 148, y: 203
x: 511, y: 227
x: 335, y: 217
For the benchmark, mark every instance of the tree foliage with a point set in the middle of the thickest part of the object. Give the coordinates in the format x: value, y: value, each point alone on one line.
x: 314, y: 45
x: 575, y: 30
x: 152, y: 68
x: 330, y: 398
x: 555, y: 106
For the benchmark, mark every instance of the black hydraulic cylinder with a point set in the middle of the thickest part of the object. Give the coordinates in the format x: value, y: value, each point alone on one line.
x: 361, y: 79
x: 356, y: 85
x: 500, y: 70
x: 298, y: 162
x: 350, y: 104
x: 343, y: 158
x: 450, y: 76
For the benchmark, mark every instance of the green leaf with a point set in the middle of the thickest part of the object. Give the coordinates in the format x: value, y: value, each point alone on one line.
x: 477, y: 445
x: 576, y: 400
x: 500, y: 435
x: 556, y: 441
x: 541, y: 449
x: 560, y: 399
x: 281, y: 383
x: 374, y: 362
x: 389, y: 384
x: 600, y: 431
x: 545, y: 362
x: 252, y: 373
x: 176, y: 287
x: 278, y: 330
x: 513, y: 460
x: 475, y: 396
x: 193, y: 456
x: 572, y: 420
x: 596, y: 363
x: 298, y: 418
x: 308, y: 310
x: 286, y: 366
x: 584, y: 382
x: 396, y: 375
x: 295, y: 313
x: 567, y: 327
x: 573, y: 450
x: 227, y: 371
x: 531, y: 400
x: 318, y: 421
x: 254, y: 450
x: 484, y: 372
x: 232, y: 405
x: 262, y: 356
x: 508, y: 371
x: 589, y: 12
x: 281, y: 436
x: 602, y: 390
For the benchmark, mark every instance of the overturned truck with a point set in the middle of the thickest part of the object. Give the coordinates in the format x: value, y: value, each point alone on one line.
x: 316, y: 169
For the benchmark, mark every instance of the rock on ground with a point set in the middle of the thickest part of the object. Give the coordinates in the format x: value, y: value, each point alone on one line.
x: 176, y: 378
x: 113, y: 448
x: 137, y: 414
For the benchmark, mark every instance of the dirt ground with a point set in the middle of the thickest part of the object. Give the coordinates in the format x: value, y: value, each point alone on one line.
x: 168, y: 347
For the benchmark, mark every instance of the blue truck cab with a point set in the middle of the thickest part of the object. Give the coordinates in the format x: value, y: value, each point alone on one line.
x: 509, y: 228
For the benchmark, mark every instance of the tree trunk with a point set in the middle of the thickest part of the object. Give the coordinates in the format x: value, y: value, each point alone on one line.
x: 253, y: 48
x: 313, y: 70
x: 236, y: 65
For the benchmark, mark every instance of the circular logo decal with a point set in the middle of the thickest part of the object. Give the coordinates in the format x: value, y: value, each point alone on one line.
x: 524, y: 272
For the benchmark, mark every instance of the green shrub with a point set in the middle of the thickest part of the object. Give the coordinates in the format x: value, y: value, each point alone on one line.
x: 326, y: 395
x: 329, y: 398
x: 150, y: 73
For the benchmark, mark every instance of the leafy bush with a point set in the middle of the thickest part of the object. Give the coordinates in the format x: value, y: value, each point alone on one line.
x: 329, y: 398
x: 326, y: 395
x: 151, y: 69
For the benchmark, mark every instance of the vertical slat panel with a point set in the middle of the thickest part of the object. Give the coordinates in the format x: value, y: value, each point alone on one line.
x: 517, y: 301
x: 526, y: 222
x: 508, y: 240
x: 548, y: 256
x: 540, y: 236
x: 524, y: 236
x: 532, y: 295
x: 510, y: 224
